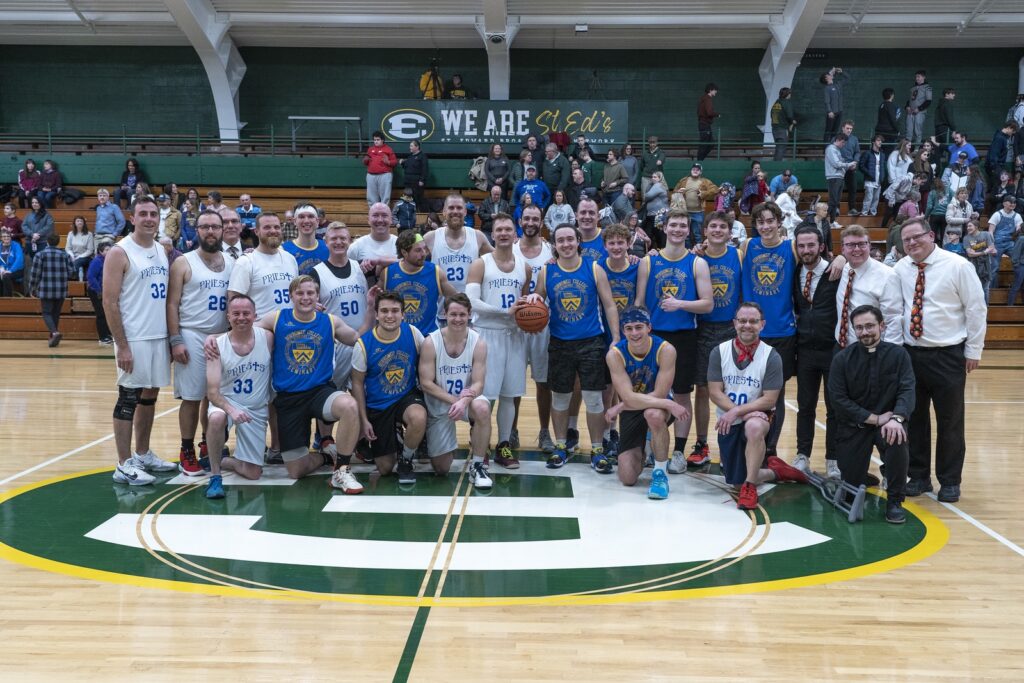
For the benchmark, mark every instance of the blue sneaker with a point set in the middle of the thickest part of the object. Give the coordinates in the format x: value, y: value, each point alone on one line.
x: 659, y: 485
x: 559, y: 457
x: 600, y: 462
x: 612, y: 445
x: 204, y: 462
x: 316, y: 441
x: 572, y: 440
x: 215, y: 489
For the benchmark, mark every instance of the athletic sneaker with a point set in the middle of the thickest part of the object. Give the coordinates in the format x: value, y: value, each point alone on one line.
x: 363, y: 451
x: 215, y: 489
x: 701, y: 455
x: 328, y: 448
x: 559, y: 457
x: 131, y: 474
x: 202, y: 449
x: 106, y: 341
x: 544, y: 441
x: 478, y: 476
x: 677, y: 465
x: 406, y: 473
x: 832, y: 469
x: 318, y: 440
x: 204, y: 462
x: 272, y: 456
x: 784, y: 472
x: 572, y: 440
x: 611, y: 444
x: 346, y: 481
x: 747, y: 500
x: 802, y: 463
x: 659, y: 485
x: 188, y: 464
x: 151, y: 463
x: 600, y: 462
x: 513, y: 438
x: 505, y: 457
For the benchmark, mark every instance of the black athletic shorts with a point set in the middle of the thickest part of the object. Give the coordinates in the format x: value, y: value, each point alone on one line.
x: 786, y: 348
x: 385, y: 423
x: 633, y: 429
x: 295, y: 409
x: 582, y: 357
x: 685, y: 344
x: 710, y: 335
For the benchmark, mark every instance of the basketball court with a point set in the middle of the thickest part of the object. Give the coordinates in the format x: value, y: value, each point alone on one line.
x: 550, y: 575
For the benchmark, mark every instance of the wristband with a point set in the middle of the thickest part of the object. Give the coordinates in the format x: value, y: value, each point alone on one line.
x: 175, y: 339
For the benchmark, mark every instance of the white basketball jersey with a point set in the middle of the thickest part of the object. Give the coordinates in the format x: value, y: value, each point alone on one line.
x: 743, y: 386
x: 501, y: 290
x: 535, y: 263
x: 265, y: 278
x: 204, y: 298
x: 454, y: 265
x: 451, y: 374
x: 344, y: 297
x: 143, y: 300
x: 245, y: 380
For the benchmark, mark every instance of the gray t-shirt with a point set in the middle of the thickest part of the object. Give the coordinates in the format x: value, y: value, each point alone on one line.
x: 978, y: 243
x: 773, y: 378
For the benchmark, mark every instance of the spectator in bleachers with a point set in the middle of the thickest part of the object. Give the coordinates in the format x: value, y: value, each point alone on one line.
x: 1004, y: 226
x: 960, y: 144
x: 652, y: 160
x: 192, y: 195
x: 170, y: 218
x: 639, y: 241
x: 922, y: 166
x: 655, y: 202
x: 28, y: 183
x: 248, y: 212
x: 726, y: 197
x: 403, y: 213
x: 959, y: 210
x: 623, y: 204
x: 559, y: 212
x: 788, y: 202
x: 168, y: 244
x: 214, y: 202
x: 833, y: 91
x: 533, y: 144
x: 910, y: 208
x: 132, y: 176
x: 380, y: 162
x: 1017, y: 260
x: 696, y: 190
x: 517, y: 215
x: 851, y: 155
x: 976, y: 188
x: 899, y: 162
x: 576, y: 149
x: 1016, y: 112
x: 631, y: 164
x: 1003, y: 187
x: 12, y: 222
x: 614, y: 178
x: 782, y: 182
x: 820, y: 220
x: 491, y: 207
x: 109, y: 217
x: 518, y: 172
x: 706, y: 116
x: 738, y: 233
x: 783, y: 121
x: 94, y: 290
x: 954, y: 245
x: 537, y: 190
x: 289, y: 230
x: 171, y: 190
x: 935, y: 207
x: 888, y: 122
x: 416, y: 168
x: 919, y: 100
x: 51, y: 184
x: 556, y: 171
x: 498, y: 170
x: 590, y: 170
x: 81, y: 247
x: 37, y: 226
x: 897, y: 193
x: 51, y: 269
x: 456, y: 89
x: 141, y: 192
x: 872, y: 165
x: 749, y: 188
x: 1001, y: 152
x: 957, y: 174
x: 945, y: 124
x: 980, y: 248
x: 12, y: 263
x: 323, y: 222
x: 189, y: 237
x: 578, y: 188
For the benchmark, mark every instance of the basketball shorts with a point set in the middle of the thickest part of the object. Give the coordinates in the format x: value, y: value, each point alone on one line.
x: 295, y: 409
x: 709, y: 335
x: 732, y: 448
x: 506, y: 362
x: 633, y: 429
x: 537, y: 355
x: 250, y: 437
x: 685, y: 344
x: 786, y: 348
x: 386, y: 421
x: 569, y: 358
x: 441, y: 437
x: 190, y: 379
x: 342, y: 377
x: 152, y: 365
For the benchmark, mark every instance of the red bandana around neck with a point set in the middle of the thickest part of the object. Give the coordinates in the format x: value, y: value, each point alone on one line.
x: 745, y: 354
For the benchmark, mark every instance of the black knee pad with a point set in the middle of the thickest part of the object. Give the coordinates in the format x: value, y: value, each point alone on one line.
x: 147, y: 401
x: 127, y: 401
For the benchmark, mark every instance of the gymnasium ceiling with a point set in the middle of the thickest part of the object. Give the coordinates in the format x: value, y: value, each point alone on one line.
x: 611, y: 24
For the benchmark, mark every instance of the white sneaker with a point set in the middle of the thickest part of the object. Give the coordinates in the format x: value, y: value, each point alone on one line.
x: 346, y: 481
x: 478, y: 476
x: 150, y: 462
x: 832, y: 470
x: 130, y: 473
x: 802, y: 463
x: 677, y: 465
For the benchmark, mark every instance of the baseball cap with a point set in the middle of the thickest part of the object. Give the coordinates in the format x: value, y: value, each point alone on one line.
x: 162, y: 198
x: 697, y: 165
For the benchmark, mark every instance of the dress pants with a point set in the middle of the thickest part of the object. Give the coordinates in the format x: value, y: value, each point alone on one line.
x: 941, y: 378
x: 811, y: 369
x: 855, y: 458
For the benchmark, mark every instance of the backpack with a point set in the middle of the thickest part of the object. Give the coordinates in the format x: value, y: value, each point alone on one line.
x: 72, y: 195
x: 477, y: 175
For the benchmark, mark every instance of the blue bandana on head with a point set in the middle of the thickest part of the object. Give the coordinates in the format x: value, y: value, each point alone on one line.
x: 634, y: 314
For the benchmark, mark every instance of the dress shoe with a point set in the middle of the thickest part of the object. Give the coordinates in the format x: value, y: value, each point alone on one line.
x: 894, y: 513
x: 950, y: 493
x: 915, y: 487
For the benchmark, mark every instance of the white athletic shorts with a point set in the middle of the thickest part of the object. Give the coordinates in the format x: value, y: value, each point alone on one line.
x: 250, y: 437
x: 441, y: 437
x: 342, y: 377
x: 190, y: 380
x: 537, y: 355
x: 506, y: 362
x: 151, y: 368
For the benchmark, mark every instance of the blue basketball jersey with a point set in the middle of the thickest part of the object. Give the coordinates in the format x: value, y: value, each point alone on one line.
x: 768, y: 279
x: 622, y: 283
x: 391, y: 367
x: 307, y: 259
x: 594, y: 249
x: 642, y: 371
x: 725, y: 285
x: 670, y: 279
x: 420, y: 292
x: 303, y: 351
x: 573, y: 301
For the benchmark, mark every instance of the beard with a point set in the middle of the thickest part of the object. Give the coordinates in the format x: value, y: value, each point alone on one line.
x: 271, y: 241
x: 211, y: 246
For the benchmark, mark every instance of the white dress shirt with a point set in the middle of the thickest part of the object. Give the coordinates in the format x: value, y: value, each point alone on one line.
x: 817, y: 271
x: 954, y: 308
x: 878, y: 285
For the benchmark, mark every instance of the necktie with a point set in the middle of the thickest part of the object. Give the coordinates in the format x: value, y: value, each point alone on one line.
x: 807, y: 285
x: 917, y: 310
x: 233, y: 251
x: 844, y: 321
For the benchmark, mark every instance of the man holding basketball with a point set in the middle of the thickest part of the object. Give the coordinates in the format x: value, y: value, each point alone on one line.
x: 576, y: 289
x: 495, y: 286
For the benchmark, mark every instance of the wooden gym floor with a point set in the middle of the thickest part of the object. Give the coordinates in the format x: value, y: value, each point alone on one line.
x: 948, y: 611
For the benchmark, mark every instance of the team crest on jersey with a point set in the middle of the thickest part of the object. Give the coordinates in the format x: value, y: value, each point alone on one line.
x: 573, y: 298
x: 394, y: 375
x: 670, y: 283
x: 768, y: 269
x: 414, y: 300
x: 411, y: 305
x: 571, y: 303
x: 395, y: 380
x: 301, y: 351
x: 719, y: 289
x: 621, y: 301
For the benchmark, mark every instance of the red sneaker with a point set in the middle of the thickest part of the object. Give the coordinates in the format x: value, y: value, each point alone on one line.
x: 188, y: 464
x: 747, y: 499
x: 701, y: 455
x: 202, y: 449
x: 784, y: 471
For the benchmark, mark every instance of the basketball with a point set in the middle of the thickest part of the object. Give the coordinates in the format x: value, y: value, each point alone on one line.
x: 532, y: 317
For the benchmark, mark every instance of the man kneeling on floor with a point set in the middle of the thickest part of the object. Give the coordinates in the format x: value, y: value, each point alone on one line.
x: 744, y: 380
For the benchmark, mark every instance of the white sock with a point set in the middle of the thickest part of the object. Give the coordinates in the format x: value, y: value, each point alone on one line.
x: 506, y: 416
x: 661, y: 465
x: 573, y: 419
x: 408, y: 453
x: 607, y: 433
x: 478, y: 458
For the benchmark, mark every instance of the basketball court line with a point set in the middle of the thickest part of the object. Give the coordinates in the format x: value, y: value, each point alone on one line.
x: 75, y: 451
x: 985, y: 529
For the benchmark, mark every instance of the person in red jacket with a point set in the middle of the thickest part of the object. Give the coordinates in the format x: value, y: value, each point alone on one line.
x: 380, y: 162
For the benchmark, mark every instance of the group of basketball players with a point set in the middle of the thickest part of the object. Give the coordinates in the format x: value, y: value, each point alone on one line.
x: 280, y: 336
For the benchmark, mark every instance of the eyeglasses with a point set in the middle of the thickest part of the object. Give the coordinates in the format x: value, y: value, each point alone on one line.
x: 748, y: 321
x: 856, y: 245
x: 907, y: 239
